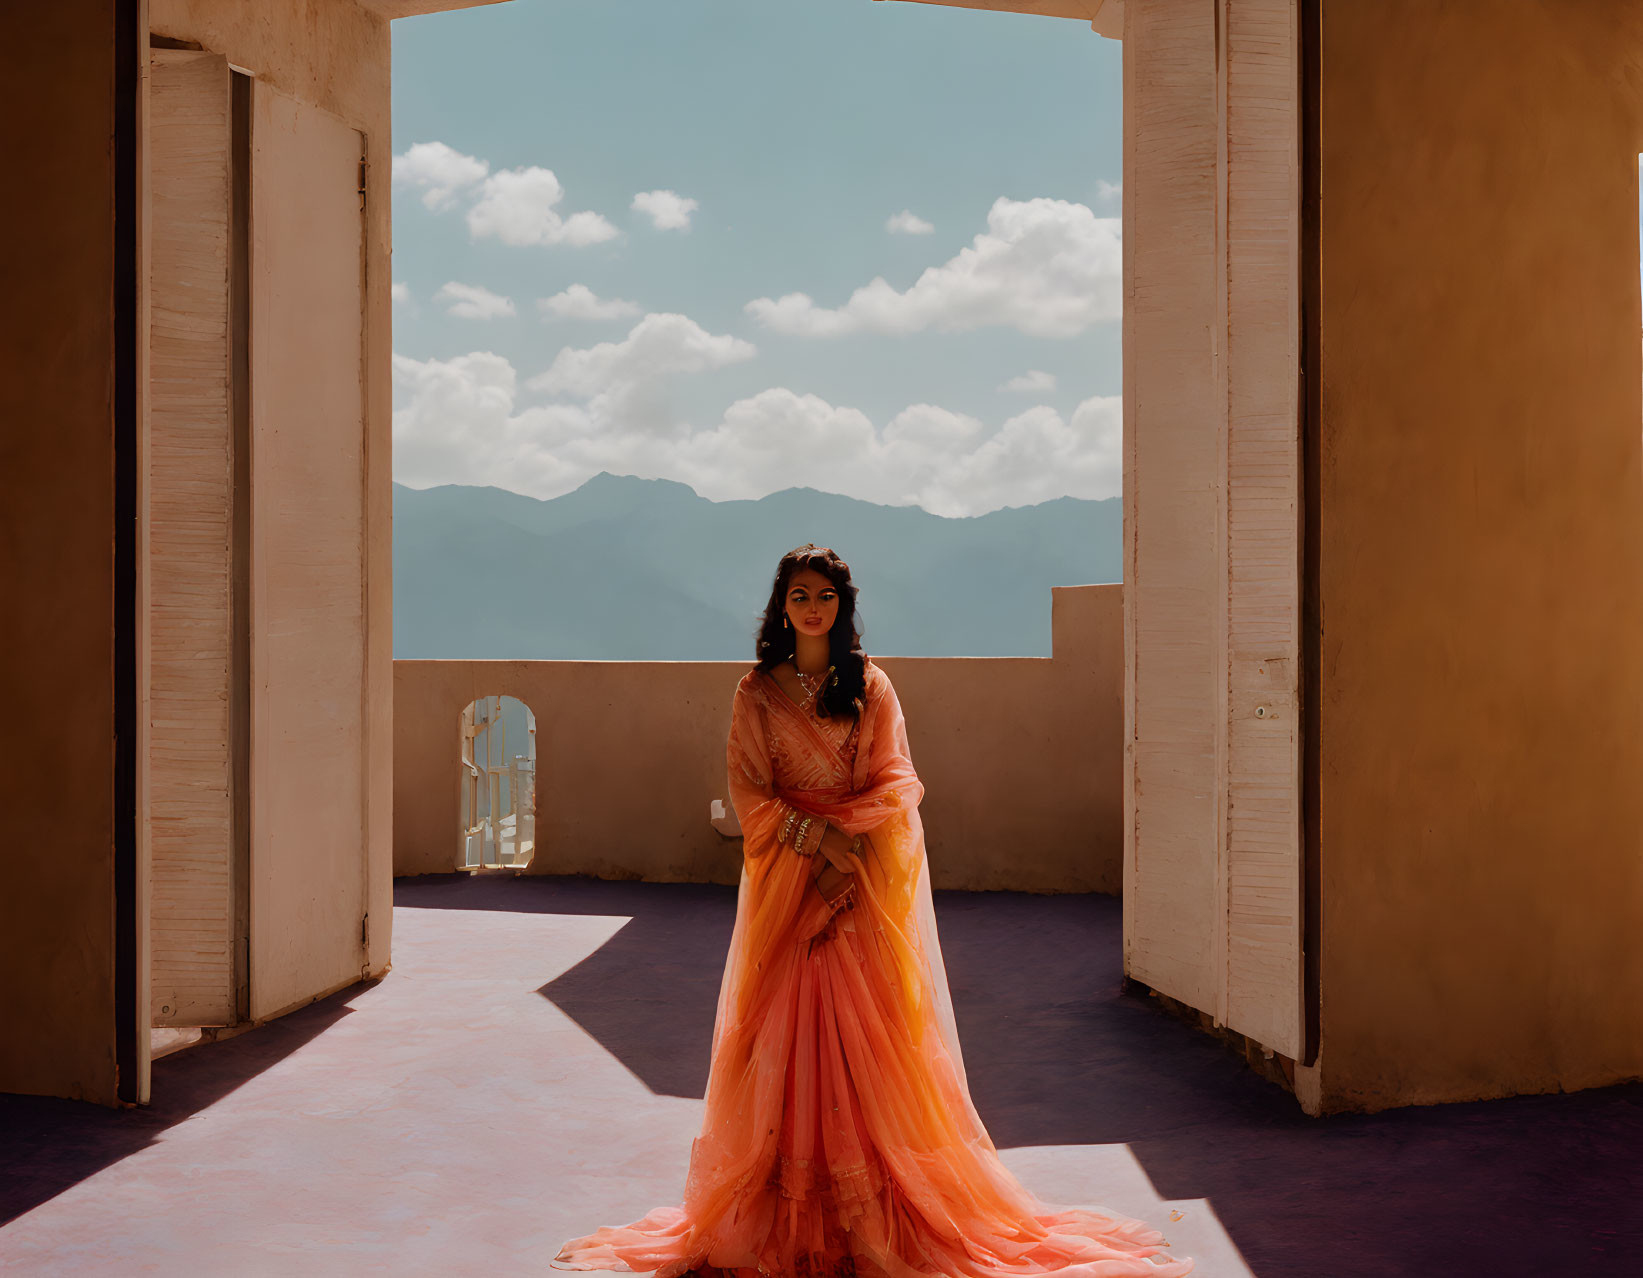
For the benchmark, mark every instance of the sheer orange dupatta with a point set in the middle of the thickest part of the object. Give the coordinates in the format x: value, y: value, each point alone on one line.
x: 950, y: 1207
x: 728, y: 1204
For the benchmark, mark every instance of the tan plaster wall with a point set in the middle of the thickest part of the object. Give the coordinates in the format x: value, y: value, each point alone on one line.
x: 334, y: 54
x: 1021, y: 760
x: 1481, y: 549
x: 56, y: 553
x: 331, y: 53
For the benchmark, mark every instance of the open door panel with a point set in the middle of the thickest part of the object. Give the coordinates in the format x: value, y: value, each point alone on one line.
x: 308, y: 466
x: 194, y: 926
x: 1212, y: 516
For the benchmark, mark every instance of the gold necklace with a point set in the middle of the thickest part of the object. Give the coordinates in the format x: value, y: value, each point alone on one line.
x: 812, y: 684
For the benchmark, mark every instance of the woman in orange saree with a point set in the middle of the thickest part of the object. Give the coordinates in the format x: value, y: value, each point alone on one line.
x: 839, y: 1136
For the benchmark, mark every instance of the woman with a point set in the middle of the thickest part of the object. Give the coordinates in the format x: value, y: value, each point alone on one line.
x: 839, y: 1137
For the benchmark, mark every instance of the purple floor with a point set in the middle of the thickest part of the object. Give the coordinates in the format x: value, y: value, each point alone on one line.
x: 535, y: 1060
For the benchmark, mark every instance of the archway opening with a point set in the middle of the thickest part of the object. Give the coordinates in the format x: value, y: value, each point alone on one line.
x: 498, y: 765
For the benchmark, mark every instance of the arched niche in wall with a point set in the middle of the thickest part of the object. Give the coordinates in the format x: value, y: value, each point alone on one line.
x: 497, y: 825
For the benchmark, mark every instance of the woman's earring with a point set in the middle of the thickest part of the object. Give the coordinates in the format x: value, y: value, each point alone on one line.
x: 784, y: 623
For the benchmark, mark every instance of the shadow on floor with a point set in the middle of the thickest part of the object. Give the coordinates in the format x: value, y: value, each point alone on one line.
x: 48, y: 1145
x: 649, y: 993
x: 1058, y: 1054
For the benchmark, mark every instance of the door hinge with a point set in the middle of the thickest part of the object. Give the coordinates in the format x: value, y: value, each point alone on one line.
x: 365, y: 929
x: 362, y: 184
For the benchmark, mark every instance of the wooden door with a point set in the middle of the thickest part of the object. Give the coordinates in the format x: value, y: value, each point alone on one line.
x: 1213, y: 871
x: 194, y: 675
x: 308, y: 659
x: 1262, y: 985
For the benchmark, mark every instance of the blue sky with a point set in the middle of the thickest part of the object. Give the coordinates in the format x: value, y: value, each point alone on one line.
x: 523, y: 133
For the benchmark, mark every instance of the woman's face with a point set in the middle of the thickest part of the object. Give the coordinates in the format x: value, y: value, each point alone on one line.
x: 812, y: 602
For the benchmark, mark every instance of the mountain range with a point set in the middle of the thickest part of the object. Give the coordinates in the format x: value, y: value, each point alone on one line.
x: 645, y: 569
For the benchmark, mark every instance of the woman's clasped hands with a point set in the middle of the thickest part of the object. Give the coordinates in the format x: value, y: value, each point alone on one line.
x: 834, y: 875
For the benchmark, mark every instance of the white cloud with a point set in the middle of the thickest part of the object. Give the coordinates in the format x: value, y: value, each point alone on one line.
x: 797, y: 315
x: 1033, y: 382
x: 1109, y: 193
x: 1037, y: 456
x: 441, y: 172
x: 926, y: 455
x: 624, y: 383
x: 401, y: 292
x: 908, y: 223
x: 461, y: 421
x: 580, y: 302
x: 518, y: 207
x: 1048, y: 268
x: 658, y: 344
x: 667, y: 210
x: 470, y: 301
x: 457, y: 421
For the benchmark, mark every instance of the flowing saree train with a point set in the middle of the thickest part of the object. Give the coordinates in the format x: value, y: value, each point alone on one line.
x: 839, y: 1136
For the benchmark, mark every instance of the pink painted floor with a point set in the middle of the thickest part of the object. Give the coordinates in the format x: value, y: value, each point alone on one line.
x: 533, y: 1066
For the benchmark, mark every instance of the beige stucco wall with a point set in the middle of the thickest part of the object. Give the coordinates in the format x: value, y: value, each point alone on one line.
x: 1481, y: 744
x: 334, y: 54
x: 57, y: 638
x: 1020, y: 757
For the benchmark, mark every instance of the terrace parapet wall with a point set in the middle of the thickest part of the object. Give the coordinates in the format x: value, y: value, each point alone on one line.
x: 1021, y: 759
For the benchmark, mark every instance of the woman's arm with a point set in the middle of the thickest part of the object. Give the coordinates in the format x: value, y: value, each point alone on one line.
x: 749, y: 776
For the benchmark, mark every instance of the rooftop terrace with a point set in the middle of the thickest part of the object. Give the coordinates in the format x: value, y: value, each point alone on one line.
x: 533, y: 1066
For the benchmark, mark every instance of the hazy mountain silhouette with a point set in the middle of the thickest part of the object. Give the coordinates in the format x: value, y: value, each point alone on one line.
x: 644, y: 569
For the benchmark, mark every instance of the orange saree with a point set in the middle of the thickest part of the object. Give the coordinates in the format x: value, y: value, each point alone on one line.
x: 839, y: 1137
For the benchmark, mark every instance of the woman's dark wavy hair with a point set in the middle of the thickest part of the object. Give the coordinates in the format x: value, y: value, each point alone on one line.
x: 847, y: 689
